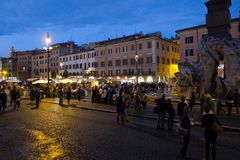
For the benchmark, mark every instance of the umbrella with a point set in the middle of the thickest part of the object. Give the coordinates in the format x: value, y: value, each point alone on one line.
x: 67, y: 80
x: 41, y: 81
x: 12, y: 81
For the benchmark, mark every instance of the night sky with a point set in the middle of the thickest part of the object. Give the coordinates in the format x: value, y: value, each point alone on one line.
x: 23, y: 23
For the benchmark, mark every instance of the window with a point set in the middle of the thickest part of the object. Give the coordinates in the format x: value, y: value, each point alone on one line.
x: 173, y: 62
x: 102, y: 53
x: 125, y: 72
x: 189, y: 40
x: 163, y: 60
x: 167, y: 48
x: 109, y: 51
x: 149, y: 45
x: 85, y: 66
x: 96, y: 64
x: 89, y: 64
x: 189, y: 52
x: 132, y: 61
x: 140, y: 61
x: 168, y: 61
x: 140, y: 46
x: 149, y: 60
x: 70, y: 66
x: 117, y: 50
x: 80, y: 65
x: 109, y: 63
x: 158, y: 59
x: 204, y: 36
x: 118, y: 63
x: 109, y: 72
x: 118, y: 72
x: 163, y: 47
x: 239, y: 28
x: 125, y: 62
x: 132, y: 47
x: 149, y: 71
x: 157, y: 44
x: 102, y: 64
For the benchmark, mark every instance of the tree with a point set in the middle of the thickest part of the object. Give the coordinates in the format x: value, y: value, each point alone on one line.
x: 53, y: 75
x: 65, y: 74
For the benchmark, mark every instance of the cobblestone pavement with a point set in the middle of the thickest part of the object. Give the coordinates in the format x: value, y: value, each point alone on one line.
x: 226, y: 120
x: 54, y: 132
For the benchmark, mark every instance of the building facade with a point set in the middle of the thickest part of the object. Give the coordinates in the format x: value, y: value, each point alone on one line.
x: 40, y: 59
x: 191, y: 37
x: 81, y: 63
x: 156, y: 57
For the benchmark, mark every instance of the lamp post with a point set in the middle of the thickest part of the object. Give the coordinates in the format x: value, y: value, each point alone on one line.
x: 48, y: 41
x: 136, y: 60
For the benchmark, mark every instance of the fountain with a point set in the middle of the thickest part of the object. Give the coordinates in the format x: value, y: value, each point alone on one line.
x: 201, y: 76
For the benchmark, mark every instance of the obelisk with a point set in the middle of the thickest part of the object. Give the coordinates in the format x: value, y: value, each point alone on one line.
x: 218, y: 18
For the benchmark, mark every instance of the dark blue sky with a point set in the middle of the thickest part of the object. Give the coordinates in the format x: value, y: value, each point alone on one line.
x: 23, y: 23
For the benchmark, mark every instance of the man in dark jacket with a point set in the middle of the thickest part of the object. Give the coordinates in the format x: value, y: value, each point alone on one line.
x: 180, y: 107
x: 162, y: 105
x: 37, y: 97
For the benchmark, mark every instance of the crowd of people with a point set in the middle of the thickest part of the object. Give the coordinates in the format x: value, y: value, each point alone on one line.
x: 209, y: 122
x: 122, y: 95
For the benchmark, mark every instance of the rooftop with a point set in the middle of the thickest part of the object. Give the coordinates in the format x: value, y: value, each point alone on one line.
x: 202, y: 26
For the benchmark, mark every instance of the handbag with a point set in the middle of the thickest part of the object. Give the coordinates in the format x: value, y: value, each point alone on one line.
x: 181, y: 131
x: 216, y: 127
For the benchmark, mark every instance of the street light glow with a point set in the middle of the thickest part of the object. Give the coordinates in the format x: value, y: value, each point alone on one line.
x: 48, y: 39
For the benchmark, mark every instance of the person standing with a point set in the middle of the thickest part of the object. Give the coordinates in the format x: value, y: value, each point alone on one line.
x: 69, y: 95
x: 208, y: 122
x: 192, y: 100
x: 94, y: 94
x: 60, y: 95
x: 180, y: 108
x: 171, y: 114
x: 14, y: 97
x: 18, y: 98
x: 185, y: 124
x: 236, y: 100
x: 229, y: 101
x: 4, y: 99
x: 37, y: 97
x: 120, y: 107
x: 79, y: 93
x: 162, y: 105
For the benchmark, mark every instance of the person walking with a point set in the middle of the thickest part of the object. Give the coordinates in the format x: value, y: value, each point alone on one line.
x: 229, y: 101
x: 94, y: 94
x: 192, y: 101
x: 236, y: 100
x: 162, y: 107
x: 209, y: 123
x: 120, y: 107
x: 180, y: 108
x: 14, y: 97
x: 18, y: 98
x: 185, y: 124
x: 171, y: 114
x: 37, y: 97
x: 4, y: 100
x: 60, y: 95
x: 69, y: 95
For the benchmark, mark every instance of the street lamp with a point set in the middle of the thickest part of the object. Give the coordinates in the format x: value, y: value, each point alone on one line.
x: 48, y: 41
